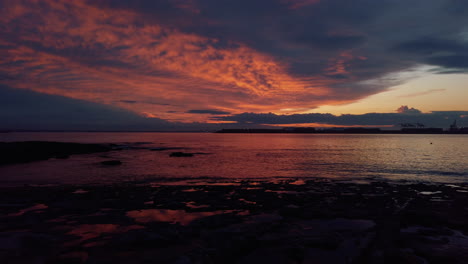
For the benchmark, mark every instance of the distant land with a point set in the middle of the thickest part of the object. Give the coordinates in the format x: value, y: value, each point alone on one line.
x: 354, y: 130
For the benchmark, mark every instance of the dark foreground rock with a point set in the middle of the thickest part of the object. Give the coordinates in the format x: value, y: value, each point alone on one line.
x: 27, y: 151
x: 284, y: 221
x: 111, y: 162
x: 181, y: 154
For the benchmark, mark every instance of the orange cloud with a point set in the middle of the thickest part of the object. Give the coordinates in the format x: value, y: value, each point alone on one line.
x: 108, y: 56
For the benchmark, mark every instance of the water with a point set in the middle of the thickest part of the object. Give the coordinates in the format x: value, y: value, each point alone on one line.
x: 429, y: 158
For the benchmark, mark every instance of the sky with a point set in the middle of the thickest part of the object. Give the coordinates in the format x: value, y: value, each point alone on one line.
x: 205, y: 64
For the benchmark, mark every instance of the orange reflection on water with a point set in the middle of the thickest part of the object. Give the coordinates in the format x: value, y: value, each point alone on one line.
x: 172, y: 216
x: 36, y: 207
x: 88, y: 231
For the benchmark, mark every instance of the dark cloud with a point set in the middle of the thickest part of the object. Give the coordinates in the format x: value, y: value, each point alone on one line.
x: 129, y: 101
x: 435, y: 119
x: 330, y: 42
x: 308, y: 36
x: 392, y: 35
x: 142, y: 102
x: 449, y: 54
x: 451, y: 61
x: 431, y: 45
x: 444, y: 71
x: 28, y: 110
x: 457, y: 7
x: 23, y: 109
x: 208, y: 111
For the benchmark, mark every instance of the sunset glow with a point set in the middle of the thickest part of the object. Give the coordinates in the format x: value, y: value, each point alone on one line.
x: 163, y: 60
x: 233, y: 131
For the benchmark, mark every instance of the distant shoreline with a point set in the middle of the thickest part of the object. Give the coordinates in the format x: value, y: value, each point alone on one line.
x: 342, y: 131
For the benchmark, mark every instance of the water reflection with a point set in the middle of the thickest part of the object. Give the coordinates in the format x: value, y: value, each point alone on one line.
x: 298, y: 182
x: 35, y: 208
x: 238, y: 156
x: 88, y: 231
x: 193, y: 205
x: 80, y: 191
x: 171, y: 216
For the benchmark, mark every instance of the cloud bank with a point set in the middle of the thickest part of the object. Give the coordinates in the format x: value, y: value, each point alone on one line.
x: 29, y: 110
x: 434, y: 119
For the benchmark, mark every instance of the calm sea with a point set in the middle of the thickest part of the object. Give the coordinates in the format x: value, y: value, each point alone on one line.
x: 436, y: 158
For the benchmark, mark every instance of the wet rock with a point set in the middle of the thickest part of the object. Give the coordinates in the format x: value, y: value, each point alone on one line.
x: 264, y: 218
x: 377, y: 223
x: 216, y: 221
x: 268, y: 255
x: 318, y: 256
x: 163, y: 148
x: 28, y: 151
x: 73, y: 257
x: 181, y: 154
x: 183, y: 260
x: 328, y: 241
x: 140, y: 238
x: 62, y: 156
x: 111, y: 162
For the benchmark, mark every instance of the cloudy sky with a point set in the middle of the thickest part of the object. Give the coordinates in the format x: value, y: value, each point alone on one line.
x: 171, y: 64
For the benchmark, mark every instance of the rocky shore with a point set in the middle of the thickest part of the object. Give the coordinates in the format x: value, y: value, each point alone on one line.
x: 197, y: 221
x: 28, y: 151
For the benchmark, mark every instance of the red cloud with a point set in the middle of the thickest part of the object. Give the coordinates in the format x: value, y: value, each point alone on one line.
x: 106, y: 55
